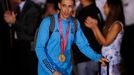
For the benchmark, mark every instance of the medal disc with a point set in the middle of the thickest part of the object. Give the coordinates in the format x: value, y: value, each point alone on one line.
x: 62, y: 58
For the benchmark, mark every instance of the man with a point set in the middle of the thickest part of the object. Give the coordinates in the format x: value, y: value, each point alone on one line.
x: 24, y: 21
x: 84, y: 65
x: 54, y: 53
x: 51, y: 7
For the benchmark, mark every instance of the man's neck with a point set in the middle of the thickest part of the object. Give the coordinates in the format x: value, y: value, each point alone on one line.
x: 63, y: 17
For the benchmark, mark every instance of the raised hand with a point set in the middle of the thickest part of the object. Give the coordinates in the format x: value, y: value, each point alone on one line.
x: 9, y: 17
x: 90, y: 22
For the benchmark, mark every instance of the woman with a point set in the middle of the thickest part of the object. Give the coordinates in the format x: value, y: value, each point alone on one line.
x: 112, y: 35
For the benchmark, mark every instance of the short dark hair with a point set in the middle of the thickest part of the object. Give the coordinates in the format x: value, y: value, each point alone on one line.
x: 55, y: 2
x: 61, y: 0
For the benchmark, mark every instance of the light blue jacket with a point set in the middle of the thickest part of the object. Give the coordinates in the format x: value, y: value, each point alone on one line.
x: 48, y: 51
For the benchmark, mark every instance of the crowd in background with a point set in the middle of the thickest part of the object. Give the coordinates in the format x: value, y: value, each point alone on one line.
x: 18, y: 32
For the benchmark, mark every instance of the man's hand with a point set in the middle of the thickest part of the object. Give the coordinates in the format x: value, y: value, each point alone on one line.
x: 57, y: 73
x: 9, y: 17
x: 104, y: 61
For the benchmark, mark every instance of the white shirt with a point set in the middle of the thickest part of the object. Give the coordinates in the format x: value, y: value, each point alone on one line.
x: 39, y: 1
x: 21, y: 5
x: 100, y: 4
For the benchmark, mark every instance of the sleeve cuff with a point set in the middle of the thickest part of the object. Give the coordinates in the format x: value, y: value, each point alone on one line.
x: 98, y: 57
x: 48, y: 65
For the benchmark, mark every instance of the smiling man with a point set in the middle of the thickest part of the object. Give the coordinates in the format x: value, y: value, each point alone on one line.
x: 53, y: 51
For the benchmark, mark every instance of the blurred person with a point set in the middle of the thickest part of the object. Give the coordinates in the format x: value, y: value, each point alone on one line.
x: 51, y: 7
x: 24, y: 20
x: 53, y: 51
x: 128, y: 38
x: 111, y: 37
x: 84, y: 65
x: 5, y: 41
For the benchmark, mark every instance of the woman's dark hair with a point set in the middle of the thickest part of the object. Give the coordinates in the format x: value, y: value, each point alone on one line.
x: 115, y: 14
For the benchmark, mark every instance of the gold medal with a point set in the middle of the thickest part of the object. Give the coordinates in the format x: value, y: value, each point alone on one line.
x: 62, y: 58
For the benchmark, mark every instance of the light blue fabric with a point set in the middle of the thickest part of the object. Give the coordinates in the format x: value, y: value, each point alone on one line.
x: 45, y: 65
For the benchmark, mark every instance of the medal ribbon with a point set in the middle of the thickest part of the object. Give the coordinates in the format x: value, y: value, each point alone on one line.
x: 63, y: 41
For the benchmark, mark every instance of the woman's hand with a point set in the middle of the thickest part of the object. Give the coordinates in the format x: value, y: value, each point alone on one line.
x: 104, y: 61
x: 90, y: 22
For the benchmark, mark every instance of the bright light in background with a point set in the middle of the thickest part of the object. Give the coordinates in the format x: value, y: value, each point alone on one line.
x: 128, y: 11
x: 100, y: 4
x: 39, y: 1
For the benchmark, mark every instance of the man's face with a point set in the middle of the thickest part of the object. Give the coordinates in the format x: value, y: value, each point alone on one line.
x: 66, y: 7
x: 83, y: 1
x: 17, y: 1
x: 50, y: 8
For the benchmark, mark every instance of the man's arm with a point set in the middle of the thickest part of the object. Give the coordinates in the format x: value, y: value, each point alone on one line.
x: 42, y: 38
x: 84, y: 46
